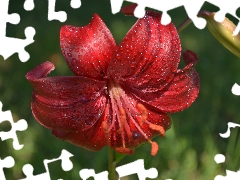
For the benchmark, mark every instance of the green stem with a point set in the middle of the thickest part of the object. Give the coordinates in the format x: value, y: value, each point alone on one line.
x: 184, y: 25
x: 111, y: 164
x: 188, y: 21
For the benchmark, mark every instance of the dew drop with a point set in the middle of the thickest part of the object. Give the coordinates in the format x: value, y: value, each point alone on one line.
x: 118, y: 56
x: 136, y: 135
x: 74, y: 62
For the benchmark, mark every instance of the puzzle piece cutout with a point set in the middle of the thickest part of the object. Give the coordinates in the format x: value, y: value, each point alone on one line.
x: 192, y: 8
x: 7, y: 162
x: 230, y: 125
x: 20, y: 125
x: 136, y: 167
x: 87, y: 173
x: 220, y: 158
x: 52, y: 14
x: 230, y: 175
x: 6, y: 43
x: 60, y: 15
x: 66, y: 164
x: 236, y: 89
x: 29, y: 5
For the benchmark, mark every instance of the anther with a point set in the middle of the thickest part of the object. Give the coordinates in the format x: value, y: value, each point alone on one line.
x: 122, y: 118
x: 125, y: 150
x: 105, y: 128
x: 124, y: 125
x: 157, y: 128
x: 144, y: 113
x: 154, y: 149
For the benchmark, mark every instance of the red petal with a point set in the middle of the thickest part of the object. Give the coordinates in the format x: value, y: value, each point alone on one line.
x: 92, y: 139
x: 129, y: 10
x: 180, y: 93
x: 88, y: 49
x: 66, y: 103
x: 148, y: 56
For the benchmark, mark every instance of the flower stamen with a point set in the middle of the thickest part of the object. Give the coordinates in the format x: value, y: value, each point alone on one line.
x: 143, y: 120
x: 105, y: 128
x: 122, y: 119
x: 124, y: 113
x: 154, y: 149
x: 157, y: 128
x: 144, y: 113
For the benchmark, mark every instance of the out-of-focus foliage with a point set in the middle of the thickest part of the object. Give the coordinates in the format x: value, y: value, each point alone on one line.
x: 188, y: 149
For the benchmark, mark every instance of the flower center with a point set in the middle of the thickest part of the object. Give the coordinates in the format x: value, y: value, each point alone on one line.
x: 126, y: 114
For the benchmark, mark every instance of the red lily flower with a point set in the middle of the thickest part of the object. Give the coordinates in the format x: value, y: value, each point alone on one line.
x: 121, y: 94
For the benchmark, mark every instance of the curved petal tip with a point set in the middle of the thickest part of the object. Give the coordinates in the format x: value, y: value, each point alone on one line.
x: 129, y: 10
x: 40, y: 71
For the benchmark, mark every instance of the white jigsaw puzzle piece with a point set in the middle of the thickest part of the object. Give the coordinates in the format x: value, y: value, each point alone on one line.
x: 7, y: 162
x: 53, y: 15
x: 66, y: 164
x: 230, y: 8
x: 236, y: 89
x: 29, y: 5
x: 60, y: 15
x: 136, y: 167
x: 20, y: 125
x: 230, y: 175
x: 230, y: 125
x: 6, y: 43
x: 220, y: 158
x: 87, y: 173
x: 192, y: 8
x: 75, y: 4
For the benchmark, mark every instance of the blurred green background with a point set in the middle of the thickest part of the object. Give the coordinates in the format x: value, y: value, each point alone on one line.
x: 188, y: 149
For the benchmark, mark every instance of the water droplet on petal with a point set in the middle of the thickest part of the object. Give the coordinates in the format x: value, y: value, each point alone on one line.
x: 74, y: 62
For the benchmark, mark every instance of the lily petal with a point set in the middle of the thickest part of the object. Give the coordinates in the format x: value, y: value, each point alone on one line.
x: 180, y: 93
x: 148, y: 56
x: 66, y: 103
x: 92, y: 139
x: 88, y: 49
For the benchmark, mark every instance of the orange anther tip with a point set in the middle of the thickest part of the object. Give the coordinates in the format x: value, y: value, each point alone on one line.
x: 125, y: 150
x: 104, y: 125
x: 140, y: 106
x: 122, y: 111
x: 154, y: 149
x: 144, y: 113
x: 157, y: 128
